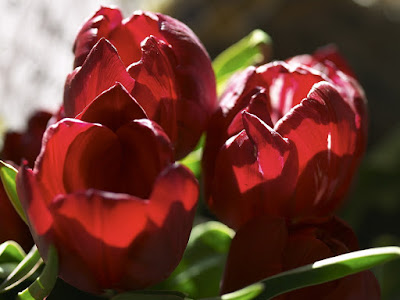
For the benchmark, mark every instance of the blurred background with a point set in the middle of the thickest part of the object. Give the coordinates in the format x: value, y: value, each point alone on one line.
x: 36, y: 55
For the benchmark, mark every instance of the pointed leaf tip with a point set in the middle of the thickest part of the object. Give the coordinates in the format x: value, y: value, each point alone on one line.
x: 8, y: 175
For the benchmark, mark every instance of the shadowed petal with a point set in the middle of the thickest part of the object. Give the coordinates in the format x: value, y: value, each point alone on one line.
x: 255, y: 253
x: 93, y: 160
x: 146, y: 151
x: 113, y: 108
x: 11, y: 225
x: 258, y: 106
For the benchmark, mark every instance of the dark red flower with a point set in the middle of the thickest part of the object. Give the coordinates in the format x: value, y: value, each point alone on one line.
x: 267, y: 246
x: 11, y: 225
x: 18, y: 146
x: 285, y: 141
x: 106, y: 193
x: 26, y: 144
x: 168, y: 71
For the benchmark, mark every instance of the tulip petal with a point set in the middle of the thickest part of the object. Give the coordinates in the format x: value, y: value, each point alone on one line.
x: 258, y: 106
x: 132, y: 32
x: 93, y: 160
x: 112, y: 108
x: 310, y: 243
x: 101, y: 70
x: 104, y: 21
x: 195, y: 75
x: 255, y: 164
x: 324, y: 59
x: 146, y: 151
x: 155, y: 87
x: 196, y: 82
x: 52, y: 158
x: 323, y: 130
x: 328, y: 61
x: 238, y: 92
x: 34, y: 199
x: 119, y: 241
x: 363, y: 285
x: 288, y: 85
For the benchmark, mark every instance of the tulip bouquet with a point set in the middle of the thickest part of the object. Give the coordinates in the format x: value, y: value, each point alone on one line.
x: 108, y: 186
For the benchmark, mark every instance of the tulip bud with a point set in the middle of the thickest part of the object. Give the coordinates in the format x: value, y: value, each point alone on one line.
x: 158, y: 59
x: 267, y: 246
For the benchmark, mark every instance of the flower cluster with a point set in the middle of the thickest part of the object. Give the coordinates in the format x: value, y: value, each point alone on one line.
x: 100, y: 180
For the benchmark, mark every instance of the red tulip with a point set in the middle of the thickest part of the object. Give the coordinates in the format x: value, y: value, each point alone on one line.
x: 106, y: 193
x: 168, y: 71
x: 18, y: 146
x: 285, y: 141
x: 326, y: 59
x: 26, y: 145
x: 11, y: 225
x: 268, y: 245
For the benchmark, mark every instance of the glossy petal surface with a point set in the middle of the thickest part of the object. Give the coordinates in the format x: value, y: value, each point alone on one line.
x: 253, y: 165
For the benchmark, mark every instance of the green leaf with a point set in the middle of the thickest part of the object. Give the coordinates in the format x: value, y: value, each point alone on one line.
x: 10, y: 251
x: 22, y: 271
x: 193, y: 160
x: 8, y: 175
x: 321, y: 271
x: 10, y: 256
x: 43, y: 285
x: 247, y: 293
x: 252, y: 49
x: 203, y: 262
x: 6, y: 269
x: 151, y: 295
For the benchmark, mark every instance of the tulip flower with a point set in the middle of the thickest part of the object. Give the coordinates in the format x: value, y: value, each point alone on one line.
x: 106, y: 193
x: 26, y: 145
x: 11, y: 225
x: 285, y: 141
x: 18, y: 146
x: 158, y: 59
x: 266, y: 246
